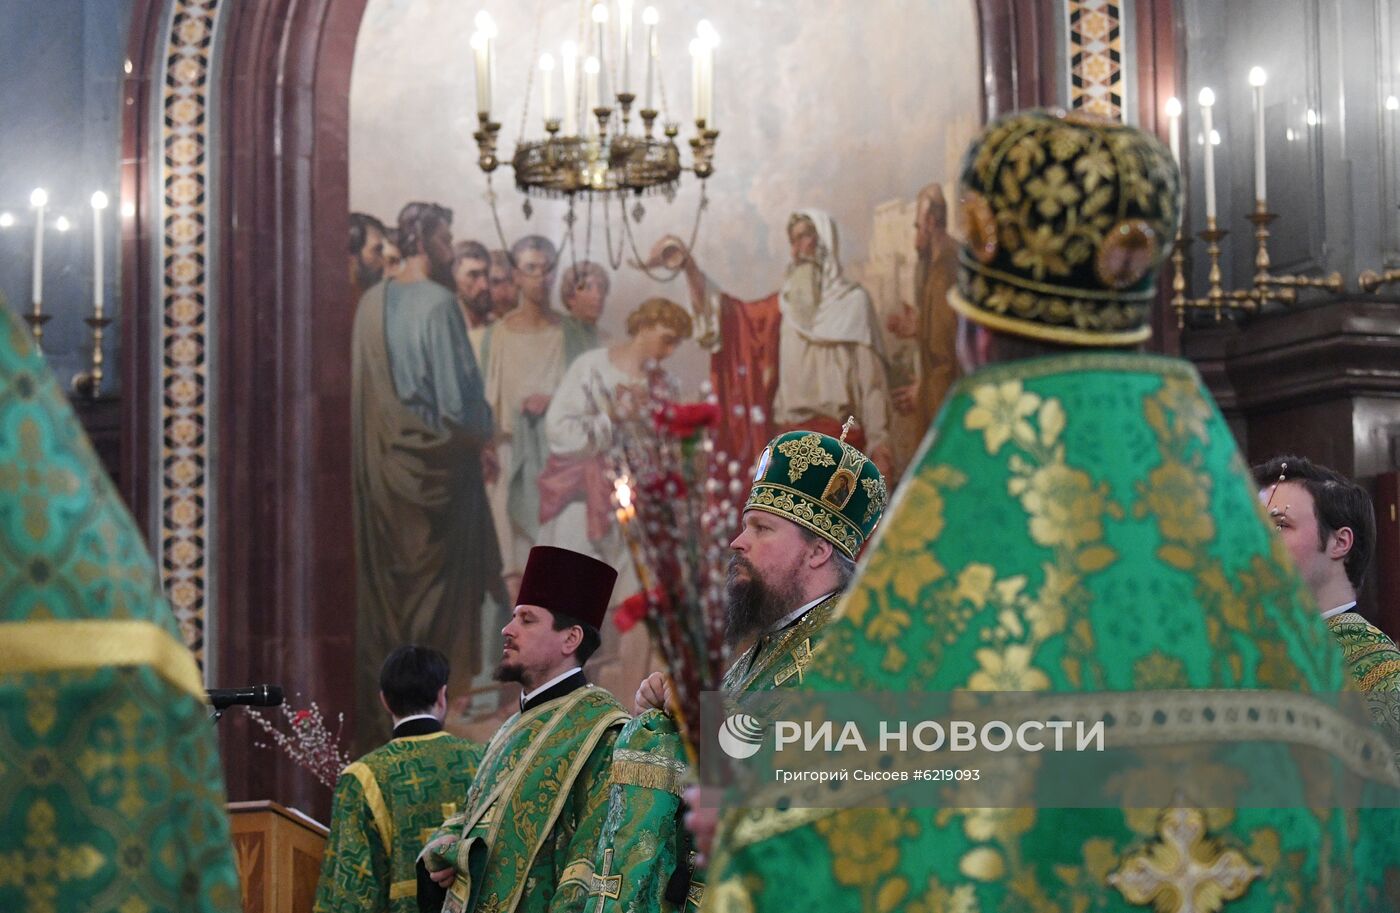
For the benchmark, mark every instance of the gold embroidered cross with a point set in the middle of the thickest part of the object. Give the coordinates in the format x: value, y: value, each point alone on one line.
x: 603, y: 884
x: 801, y: 659
x: 1184, y: 872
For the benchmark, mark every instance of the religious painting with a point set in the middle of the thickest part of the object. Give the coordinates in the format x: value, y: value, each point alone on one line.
x: 801, y: 283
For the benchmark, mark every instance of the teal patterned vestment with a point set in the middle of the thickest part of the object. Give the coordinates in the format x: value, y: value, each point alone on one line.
x: 111, y: 794
x: 1072, y: 524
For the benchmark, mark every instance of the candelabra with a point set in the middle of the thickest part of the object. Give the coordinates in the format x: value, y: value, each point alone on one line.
x: 604, y: 164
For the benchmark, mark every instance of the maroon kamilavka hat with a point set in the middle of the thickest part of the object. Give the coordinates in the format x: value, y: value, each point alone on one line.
x: 568, y: 583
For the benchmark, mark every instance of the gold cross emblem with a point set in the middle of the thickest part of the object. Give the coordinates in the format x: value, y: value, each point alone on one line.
x: 1184, y: 871
x: 801, y: 659
x: 603, y: 884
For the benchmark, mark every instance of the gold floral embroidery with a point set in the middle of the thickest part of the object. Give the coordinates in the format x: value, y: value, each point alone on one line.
x: 1179, y: 497
x: 1065, y: 505
x: 939, y: 899
x: 878, y: 494
x: 983, y: 864
x: 1007, y: 670
x: 1158, y: 670
x: 999, y: 411
x: 864, y: 842
x: 804, y: 452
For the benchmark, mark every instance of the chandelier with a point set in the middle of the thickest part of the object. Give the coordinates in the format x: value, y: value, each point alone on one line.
x: 589, y: 151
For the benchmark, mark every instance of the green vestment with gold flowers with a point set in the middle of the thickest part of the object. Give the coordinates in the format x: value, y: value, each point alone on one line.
x: 386, y: 807
x: 1073, y: 524
x: 111, y: 794
x: 643, y: 841
x: 526, y: 836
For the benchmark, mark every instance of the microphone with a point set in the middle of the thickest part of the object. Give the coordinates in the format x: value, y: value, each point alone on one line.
x: 253, y: 696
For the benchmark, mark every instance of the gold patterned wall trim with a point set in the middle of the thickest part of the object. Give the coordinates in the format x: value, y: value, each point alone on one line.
x: 1095, y: 53
x: 184, y: 432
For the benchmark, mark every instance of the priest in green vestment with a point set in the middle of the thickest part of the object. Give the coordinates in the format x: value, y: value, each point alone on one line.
x: 425, y: 548
x: 1077, y: 521
x: 527, y: 829
x: 814, y: 501
x: 1329, y: 526
x: 111, y: 792
x: 389, y: 802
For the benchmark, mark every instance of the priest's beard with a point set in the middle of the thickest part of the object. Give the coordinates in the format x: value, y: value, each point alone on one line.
x: 752, y: 604
x: 509, y: 672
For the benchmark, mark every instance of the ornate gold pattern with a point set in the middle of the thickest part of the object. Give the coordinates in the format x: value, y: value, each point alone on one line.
x: 804, y: 452
x: 1126, y: 253
x: 603, y: 885
x: 1184, y: 871
x: 795, y: 506
x: 46, y: 864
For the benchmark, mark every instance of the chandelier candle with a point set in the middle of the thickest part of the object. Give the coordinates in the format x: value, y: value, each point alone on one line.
x: 99, y: 203
x: 600, y: 19
x: 38, y: 199
x: 650, y: 18
x: 624, y: 23
x: 569, y: 54
x: 547, y: 85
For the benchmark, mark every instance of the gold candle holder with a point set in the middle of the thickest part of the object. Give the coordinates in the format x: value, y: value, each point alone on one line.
x: 624, y: 101
x: 1179, y: 301
x: 1371, y: 281
x: 648, y: 120
x: 1261, y: 217
x: 36, y: 320
x: 485, y: 137
x: 1215, y: 293
x: 89, y: 383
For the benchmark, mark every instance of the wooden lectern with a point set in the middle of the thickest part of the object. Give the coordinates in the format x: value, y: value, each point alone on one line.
x: 278, y: 852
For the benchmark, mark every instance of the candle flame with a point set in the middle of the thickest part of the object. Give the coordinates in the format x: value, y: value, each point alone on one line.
x: 1392, y: 103
x: 1257, y: 77
x: 1207, y: 97
x: 1173, y: 107
x: 99, y: 200
x: 624, y: 493
x: 40, y: 197
x: 600, y: 12
x: 650, y: 16
x: 547, y: 62
x: 6, y: 219
x: 62, y: 223
x: 591, y: 65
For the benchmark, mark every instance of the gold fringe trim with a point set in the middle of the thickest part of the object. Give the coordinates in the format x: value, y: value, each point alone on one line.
x: 375, y: 800
x: 48, y: 646
x: 1380, y: 671
x: 647, y: 776
x: 1045, y: 331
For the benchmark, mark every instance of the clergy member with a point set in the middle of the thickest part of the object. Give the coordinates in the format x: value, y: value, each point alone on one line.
x: 109, y: 766
x: 389, y: 802
x: 804, y: 357
x: 530, y: 824
x: 1079, y: 522
x: 814, y: 501
x: 1327, y: 523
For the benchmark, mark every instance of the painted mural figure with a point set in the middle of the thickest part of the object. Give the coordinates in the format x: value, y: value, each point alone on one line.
x: 425, y: 547
x: 805, y: 356
x: 523, y: 359
x: 583, y: 290
x: 930, y: 322
x: 576, y: 510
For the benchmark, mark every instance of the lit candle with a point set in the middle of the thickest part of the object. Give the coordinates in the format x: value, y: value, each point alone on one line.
x: 591, y: 67
x: 547, y: 84
x: 624, y: 24
x: 600, y: 21
x: 708, y: 39
x: 1174, y: 128
x: 1257, y: 78
x: 99, y: 203
x: 1207, y: 100
x: 696, y: 78
x: 569, y: 55
x: 38, y: 199
x: 483, y: 87
x: 650, y: 18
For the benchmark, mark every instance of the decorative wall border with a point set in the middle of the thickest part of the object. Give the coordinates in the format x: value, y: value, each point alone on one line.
x: 183, y: 427
x: 1096, y: 38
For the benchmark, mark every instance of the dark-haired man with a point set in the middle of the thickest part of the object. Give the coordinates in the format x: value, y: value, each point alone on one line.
x: 583, y: 290
x: 425, y: 549
x: 470, y: 265
x: 389, y: 801
x: 526, y: 836
x: 1327, y: 523
x: 366, y: 250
